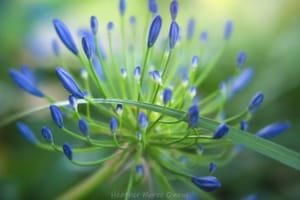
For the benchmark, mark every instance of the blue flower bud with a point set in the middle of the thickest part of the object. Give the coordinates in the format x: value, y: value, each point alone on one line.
x: 28, y: 73
x: 251, y: 197
x: 153, y: 7
x: 57, y: 116
x: 86, y: 47
x: 244, y: 125
x: 212, y: 167
x: 228, y: 29
x: 67, y: 148
x: 193, y: 91
x: 221, y: 130
x: 139, y: 135
x: 137, y: 73
x: 94, y: 24
x: 65, y: 36
x: 25, y: 82
x: 122, y: 6
x: 241, y: 59
x: 113, y: 124
x: 110, y: 26
x: 47, y: 134
x: 26, y: 132
x: 123, y: 72
x: 139, y: 169
x: 255, y: 102
x: 119, y: 109
x: 173, y: 34
x: 69, y: 83
x: 72, y: 101
x: 83, y: 126
x: 190, y: 29
x: 55, y: 47
x: 167, y: 95
x: 207, y: 183
x: 174, y: 9
x: 132, y: 20
x: 193, y: 114
x: 195, y: 61
x: 200, y: 148
x: 241, y: 81
x: 154, y: 31
x: 203, y: 36
x: 156, y: 76
x: 143, y: 120
x: 273, y: 130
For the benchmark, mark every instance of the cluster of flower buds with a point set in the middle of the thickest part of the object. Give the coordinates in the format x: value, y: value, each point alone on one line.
x: 125, y: 104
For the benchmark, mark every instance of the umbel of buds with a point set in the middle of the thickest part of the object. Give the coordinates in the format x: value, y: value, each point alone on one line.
x: 143, y: 107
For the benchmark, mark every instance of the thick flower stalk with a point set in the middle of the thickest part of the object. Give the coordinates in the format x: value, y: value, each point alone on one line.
x: 142, y: 105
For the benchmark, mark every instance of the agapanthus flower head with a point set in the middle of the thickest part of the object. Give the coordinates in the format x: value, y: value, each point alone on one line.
x: 273, y: 130
x: 140, y: 106
x: 26, y: 132
x: 65, y: 36
x: 47, y: 134
x: 207, y: 183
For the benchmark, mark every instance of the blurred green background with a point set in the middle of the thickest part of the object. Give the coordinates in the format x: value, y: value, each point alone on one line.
x: 269, y: 31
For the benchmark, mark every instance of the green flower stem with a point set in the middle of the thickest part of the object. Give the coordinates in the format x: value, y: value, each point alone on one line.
x: 165, y: 69
x: 85, y: 139
x: 164, y: 163
x: 144, y: 67
x: 237, y: 118
x: 209, y: 98
x: 83, y: 188
x: 110, y: 48
x: 162, y: 179
x: 53, y: 147
x: 96, y: 162
x: 132, y: 174
x: 97, y: 79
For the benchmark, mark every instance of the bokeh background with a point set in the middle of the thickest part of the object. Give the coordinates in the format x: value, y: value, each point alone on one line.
x: 269, y: 31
